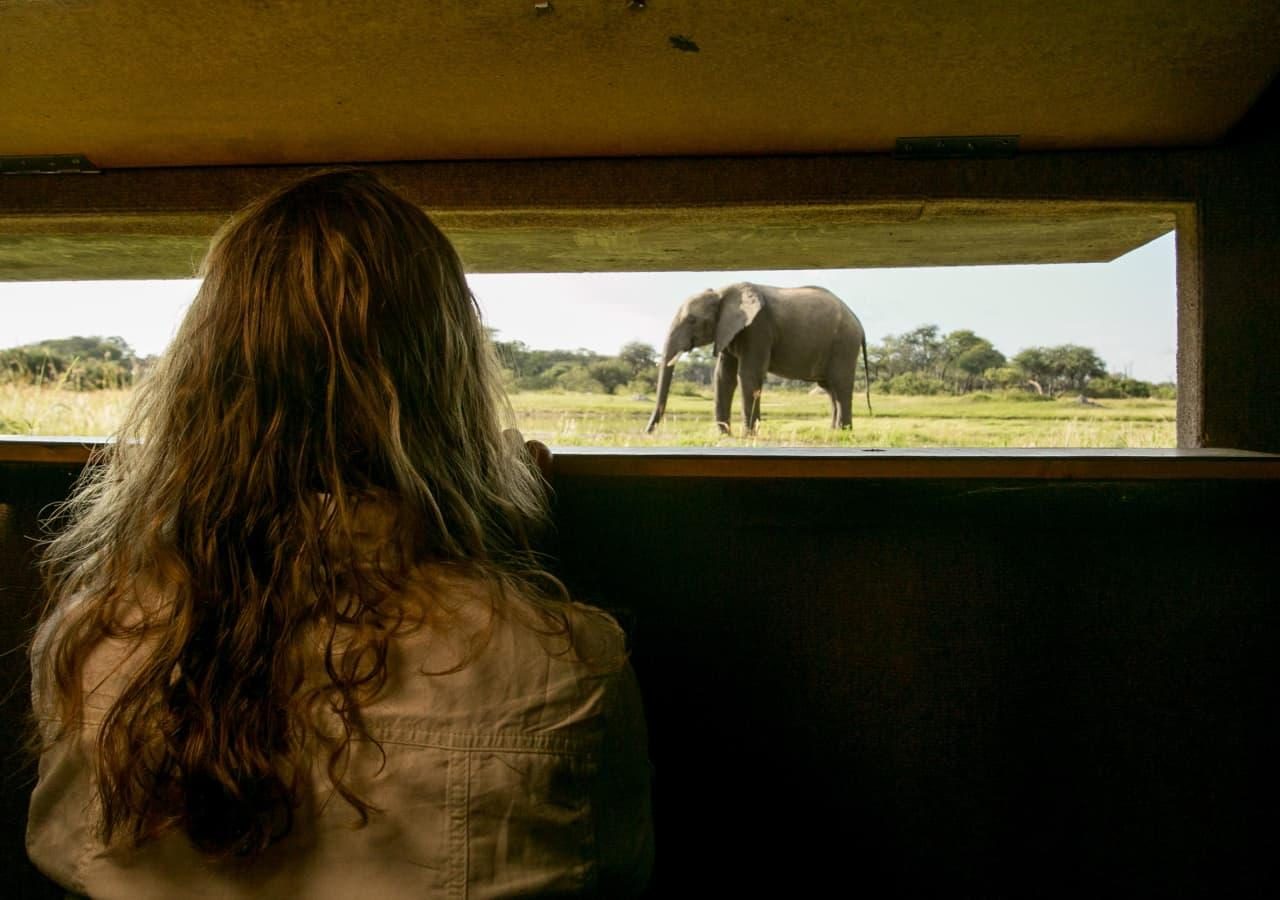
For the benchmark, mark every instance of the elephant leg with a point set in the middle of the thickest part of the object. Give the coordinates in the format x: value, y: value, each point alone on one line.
x: 835, y: 406
x: 842, y: 400
x: 752, y: 384
x: 726, y: 379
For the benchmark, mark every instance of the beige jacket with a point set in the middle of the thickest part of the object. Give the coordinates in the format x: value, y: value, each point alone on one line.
x: 523, y: 773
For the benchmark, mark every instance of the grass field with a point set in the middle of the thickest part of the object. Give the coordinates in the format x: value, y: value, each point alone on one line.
x: 798, y: 418
x: 789, y: 418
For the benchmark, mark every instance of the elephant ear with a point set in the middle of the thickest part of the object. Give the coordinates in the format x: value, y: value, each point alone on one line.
x: 738, y: 309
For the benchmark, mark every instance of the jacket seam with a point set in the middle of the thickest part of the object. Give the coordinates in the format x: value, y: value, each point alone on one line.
x: 525, y: 743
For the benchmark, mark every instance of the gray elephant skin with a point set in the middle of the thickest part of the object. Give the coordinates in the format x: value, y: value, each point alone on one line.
x: 804, y: 333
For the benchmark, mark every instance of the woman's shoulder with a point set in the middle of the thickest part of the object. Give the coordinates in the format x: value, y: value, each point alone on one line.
x: 597, y: 636
x: 501, y: 658
x: 480, y: 605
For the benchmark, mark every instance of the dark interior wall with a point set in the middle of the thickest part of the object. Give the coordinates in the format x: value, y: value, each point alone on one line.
x: 962, y: 688
x: 1240, y: 286
x: 24, y: 492
x: 977, y: 687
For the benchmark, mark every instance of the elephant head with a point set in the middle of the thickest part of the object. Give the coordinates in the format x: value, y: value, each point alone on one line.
x: 706, y: 317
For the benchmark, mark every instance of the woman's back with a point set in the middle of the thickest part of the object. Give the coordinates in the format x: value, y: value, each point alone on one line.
x: 297, y: 642
x: 522, y: 772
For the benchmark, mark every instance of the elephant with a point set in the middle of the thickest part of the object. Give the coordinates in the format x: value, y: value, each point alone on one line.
x: 804, y: 333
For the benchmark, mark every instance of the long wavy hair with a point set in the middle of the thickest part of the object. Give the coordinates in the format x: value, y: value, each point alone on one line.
x: 333, y: 358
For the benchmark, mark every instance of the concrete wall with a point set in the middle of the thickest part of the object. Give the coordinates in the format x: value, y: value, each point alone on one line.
x: 784, y: 212
x: 1240, y: 296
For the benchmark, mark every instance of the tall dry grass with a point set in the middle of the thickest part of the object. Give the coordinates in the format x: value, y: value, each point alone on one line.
x: 49, y: 409
x: 790, y: 419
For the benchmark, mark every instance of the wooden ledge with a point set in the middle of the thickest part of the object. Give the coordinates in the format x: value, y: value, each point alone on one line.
x: 800, y: 462
x: 58, y: 451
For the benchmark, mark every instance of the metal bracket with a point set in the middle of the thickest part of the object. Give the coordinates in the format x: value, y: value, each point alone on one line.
x: 69, y: 164
x: 983, y: 146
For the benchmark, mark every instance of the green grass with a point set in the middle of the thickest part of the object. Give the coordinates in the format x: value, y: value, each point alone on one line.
x: 798, y: 418
x: 790, y: 418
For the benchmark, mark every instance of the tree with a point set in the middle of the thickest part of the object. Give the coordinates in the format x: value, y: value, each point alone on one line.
x: 964, y: 356
x: 957, y: 360
x: 1004, y: 377
x: 919, y: 350
x: 639, y: 356
x: 610, y: 373
x: 1036, y: 368
x: 76, y: 363
x: 955, y: 345
x: 513, y: 355
x: 976, y: 360
x: 1078, y: 364
x: 1053, y: 370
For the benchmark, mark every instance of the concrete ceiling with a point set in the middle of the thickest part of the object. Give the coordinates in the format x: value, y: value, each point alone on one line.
x: 144, y: 89
x: 211, y: 82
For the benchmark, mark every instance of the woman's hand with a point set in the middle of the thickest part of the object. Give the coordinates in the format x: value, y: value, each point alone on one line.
x: 539, y: 454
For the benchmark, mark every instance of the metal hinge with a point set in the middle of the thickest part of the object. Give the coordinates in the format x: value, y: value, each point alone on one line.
x: 69, y: 164
x: 982, y: 146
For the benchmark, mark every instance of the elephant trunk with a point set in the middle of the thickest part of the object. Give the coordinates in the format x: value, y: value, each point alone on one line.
x: 665, y: 373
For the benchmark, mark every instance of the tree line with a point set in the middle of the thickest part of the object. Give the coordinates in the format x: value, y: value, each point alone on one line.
x: 925, y: 361
x: 920, y: 361
x: 74, y: 363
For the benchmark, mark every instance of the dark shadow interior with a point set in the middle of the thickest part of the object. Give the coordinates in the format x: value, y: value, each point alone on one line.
x: 977, y: 687
x: 961, y: 686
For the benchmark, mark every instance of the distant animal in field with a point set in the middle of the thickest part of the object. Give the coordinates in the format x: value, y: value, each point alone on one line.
x: 803, y: 333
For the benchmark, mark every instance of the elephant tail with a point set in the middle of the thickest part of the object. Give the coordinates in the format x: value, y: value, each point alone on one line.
x: 866, y: 367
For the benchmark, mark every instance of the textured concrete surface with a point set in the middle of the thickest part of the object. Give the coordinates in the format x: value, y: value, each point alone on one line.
x: 134, y: 83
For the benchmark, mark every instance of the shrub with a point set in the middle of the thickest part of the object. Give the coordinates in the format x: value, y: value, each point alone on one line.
x: 579, y: 379
x: 913, y: 383
x: 1117, y: 387
x: 1025, y: 397
x: 75, y: 363
x: 640, y: 385
x: 611, y: 374
x: 544, y: 382
x: 1005, y: 377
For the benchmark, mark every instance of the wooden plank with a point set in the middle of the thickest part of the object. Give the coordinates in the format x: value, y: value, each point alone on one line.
x: 69, y: 451
x: 786, y: 463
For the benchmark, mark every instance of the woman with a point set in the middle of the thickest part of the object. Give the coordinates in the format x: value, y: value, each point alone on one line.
x: 296, y: 643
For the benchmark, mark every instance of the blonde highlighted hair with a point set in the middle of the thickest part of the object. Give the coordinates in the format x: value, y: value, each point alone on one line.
x: 333, y: 358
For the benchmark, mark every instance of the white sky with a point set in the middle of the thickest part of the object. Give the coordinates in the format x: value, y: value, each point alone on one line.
x: 1125, y: 310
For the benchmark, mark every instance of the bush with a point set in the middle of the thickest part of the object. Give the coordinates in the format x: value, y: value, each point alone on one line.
x: 579, y: 379
x: 1026, y: 397
x: 75, y: 363
x: 611, y: 374
x: 1165, y: 390
x: 913, y: 383
x: 1005, y: 377
x: 640, y: 385
x: 1117, y: 387
x: 544, y: 382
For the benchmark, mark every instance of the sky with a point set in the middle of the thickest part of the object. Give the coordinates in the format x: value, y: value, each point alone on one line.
x: 1125, y: 310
